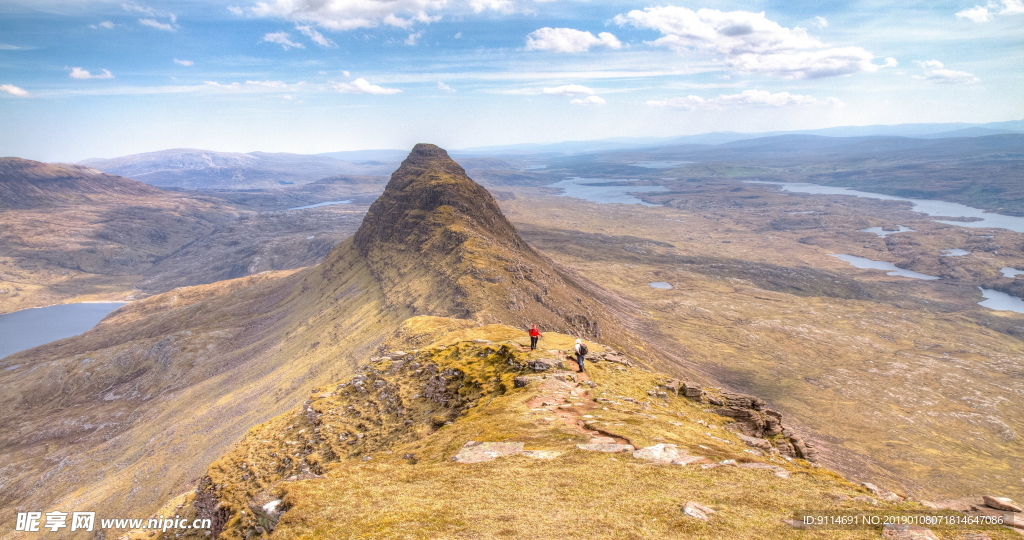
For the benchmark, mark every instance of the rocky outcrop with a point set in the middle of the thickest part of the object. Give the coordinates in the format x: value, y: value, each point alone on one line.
x: 759, y: 426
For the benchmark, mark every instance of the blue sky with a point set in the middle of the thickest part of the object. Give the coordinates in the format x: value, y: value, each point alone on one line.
x: 84, y: 78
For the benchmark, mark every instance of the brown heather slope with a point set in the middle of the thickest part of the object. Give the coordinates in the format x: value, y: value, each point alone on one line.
x: 71, y: 233
x: 130, y: 413
x: 31, y: 184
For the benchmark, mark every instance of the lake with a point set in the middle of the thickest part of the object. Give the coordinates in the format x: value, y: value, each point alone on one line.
x: 328, y: 203
x: 29, y: 328
x: 883, y: 233
x: 604, y: 190
x: 1010, y: 272
x: 660, y: 285
x: 861, y: 262
x: 925, y: 206
x: 1001, y: 301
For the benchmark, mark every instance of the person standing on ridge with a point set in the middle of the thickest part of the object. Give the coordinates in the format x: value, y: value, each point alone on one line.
x: 534, y: 336
x: 581, y: 352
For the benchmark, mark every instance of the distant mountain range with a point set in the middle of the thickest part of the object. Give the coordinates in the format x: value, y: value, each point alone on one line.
x: 205, y: 169
x: 920, y: 131
x: 189, y: 168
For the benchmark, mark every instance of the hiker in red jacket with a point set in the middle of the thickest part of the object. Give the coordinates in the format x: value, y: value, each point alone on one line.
x: 534, y: 336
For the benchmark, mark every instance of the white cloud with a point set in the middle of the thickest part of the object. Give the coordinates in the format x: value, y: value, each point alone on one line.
x: 458, y: 35
x: 589, y: 100
x: 977, y: 14
x: 8, y: 47
x: 569, y: 90
x: 350, y: 14
x: 445, y: 87
x: 14, y: 90
x: 980, y: 14
x: 747, y: 98
x: 315, y: 36
x: 282, y: 39
x: 235, y: 10
x: 822, y: 22
x: 361, y: 86
x: 568, y: 40
x: 105, y: 25
x: 413, y: 38
x: 503, y: 6
x: 1012, y: 7
x: 276, y: 85
x: 138, y: 9
x: 251, y: 87
x: 157, y: 24
x: 79, y: 73
x: 185, y: 63
x: 935, y: 71
x: 750, y: 42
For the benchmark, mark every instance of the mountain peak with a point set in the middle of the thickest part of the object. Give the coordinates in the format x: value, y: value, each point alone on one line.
x: 438, y: 244
x: 428, y: 194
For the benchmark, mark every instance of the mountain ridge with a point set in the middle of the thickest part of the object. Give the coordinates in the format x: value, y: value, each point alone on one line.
x: 33, y: 184
x: 220, y: 358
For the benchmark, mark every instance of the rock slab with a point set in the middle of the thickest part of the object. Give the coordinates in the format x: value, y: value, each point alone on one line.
x: 660, y: 453
x: 697, y: 510
x: 1002, y: 503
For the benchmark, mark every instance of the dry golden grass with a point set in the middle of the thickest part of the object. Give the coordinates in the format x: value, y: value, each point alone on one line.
x: 379, y: 492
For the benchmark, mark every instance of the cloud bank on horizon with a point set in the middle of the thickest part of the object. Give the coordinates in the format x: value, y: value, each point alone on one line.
x: 82, y: 78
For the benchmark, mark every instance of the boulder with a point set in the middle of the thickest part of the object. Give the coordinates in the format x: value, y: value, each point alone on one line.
x: 673, y: 385
x: 613, y: 448
x: 543, y: 364
x: 476, y: 452
x: 693, y: 391
x: 523, y: 380
x: 697, y: 510
x: 660, y: 453
x: 1002, y: 503
x: 757, y: 442
x: 881, y: 493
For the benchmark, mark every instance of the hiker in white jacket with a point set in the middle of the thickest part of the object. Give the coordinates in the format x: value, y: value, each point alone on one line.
x: 581, y: 352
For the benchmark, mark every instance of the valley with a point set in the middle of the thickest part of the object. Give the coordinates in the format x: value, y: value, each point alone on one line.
x: 906, y: 383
